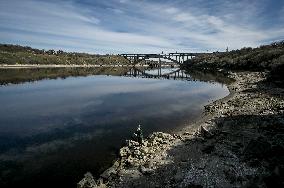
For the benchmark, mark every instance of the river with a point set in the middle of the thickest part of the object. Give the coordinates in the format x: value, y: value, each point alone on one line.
x: 55, y: 125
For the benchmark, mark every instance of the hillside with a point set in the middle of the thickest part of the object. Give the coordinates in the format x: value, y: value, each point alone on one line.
x: 15, y: 54
x: 268, y: 58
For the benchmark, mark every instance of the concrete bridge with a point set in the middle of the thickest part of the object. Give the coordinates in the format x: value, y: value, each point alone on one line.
x: 177, y: 58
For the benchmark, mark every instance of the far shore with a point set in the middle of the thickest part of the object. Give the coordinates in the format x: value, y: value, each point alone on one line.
x: 5, y: 66
x: 19, y: 66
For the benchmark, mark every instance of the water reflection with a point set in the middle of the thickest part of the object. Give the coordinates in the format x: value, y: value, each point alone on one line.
x: 179, y: 74
x: 16, y: 76
x: 53, y: 131
x: 173, y: 73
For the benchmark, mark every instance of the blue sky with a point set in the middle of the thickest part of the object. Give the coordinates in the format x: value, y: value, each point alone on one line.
x: 141, y: 26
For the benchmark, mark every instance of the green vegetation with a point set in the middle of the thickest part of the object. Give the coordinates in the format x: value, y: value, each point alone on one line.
x: 15, y: 54
x: 264, y: 58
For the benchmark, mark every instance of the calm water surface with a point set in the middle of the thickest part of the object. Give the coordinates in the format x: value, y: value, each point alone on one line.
x: 53, y: 131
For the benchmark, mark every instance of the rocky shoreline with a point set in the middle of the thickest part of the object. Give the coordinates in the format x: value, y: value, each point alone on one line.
x: 238, y: 143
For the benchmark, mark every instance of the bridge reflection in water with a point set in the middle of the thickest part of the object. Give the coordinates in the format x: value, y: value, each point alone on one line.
x: 160, y: 73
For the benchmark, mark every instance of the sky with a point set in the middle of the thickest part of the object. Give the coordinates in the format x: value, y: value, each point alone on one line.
x: 141, y: 26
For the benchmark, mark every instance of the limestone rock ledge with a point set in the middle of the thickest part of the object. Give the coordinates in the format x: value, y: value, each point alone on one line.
x: 135, y: 160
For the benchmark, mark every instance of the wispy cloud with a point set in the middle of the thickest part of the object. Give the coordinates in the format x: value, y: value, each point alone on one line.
x: 140, y: 26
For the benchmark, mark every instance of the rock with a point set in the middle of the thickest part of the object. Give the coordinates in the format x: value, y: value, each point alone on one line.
x: 145, y: 143
x: 149, y: 164
x: 137, y: 153
x: 161, y: 135
x: 145, y: 171
x: 110, y: 171
x: 124, y: 152
x: 132, y: 173
x: 145, y: 150
x: 131, y: 143
x: 131, y: 161
x: 87, y: 182
x: 205, y: 133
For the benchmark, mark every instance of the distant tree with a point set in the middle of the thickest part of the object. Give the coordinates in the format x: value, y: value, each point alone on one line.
x: 50, y: 52
x: 59, y: 52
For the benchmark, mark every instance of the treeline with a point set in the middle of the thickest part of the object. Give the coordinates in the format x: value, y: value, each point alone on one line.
x: 16, y: 54
x: 263, y: 58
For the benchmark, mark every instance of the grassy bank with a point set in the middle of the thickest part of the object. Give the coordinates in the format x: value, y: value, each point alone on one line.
x: 15, y: 54
x: 268, y: 58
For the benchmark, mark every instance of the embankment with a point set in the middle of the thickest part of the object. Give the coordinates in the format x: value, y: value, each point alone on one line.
x: 238, y: 142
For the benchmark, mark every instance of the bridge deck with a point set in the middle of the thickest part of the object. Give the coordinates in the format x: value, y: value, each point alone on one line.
x: 176, y: 57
